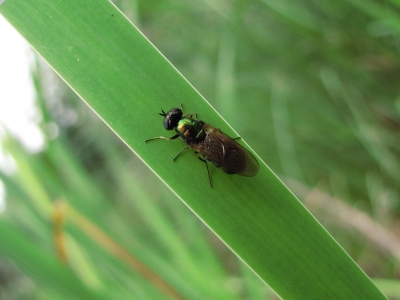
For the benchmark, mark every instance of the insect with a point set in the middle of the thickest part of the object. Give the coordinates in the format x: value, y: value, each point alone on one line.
x: 211, y: 143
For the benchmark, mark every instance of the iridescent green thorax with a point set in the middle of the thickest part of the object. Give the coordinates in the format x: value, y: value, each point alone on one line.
x: 190, y: 129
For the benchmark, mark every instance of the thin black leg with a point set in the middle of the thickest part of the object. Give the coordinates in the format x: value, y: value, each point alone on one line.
x: 179, y: 154
x: 208, y: 171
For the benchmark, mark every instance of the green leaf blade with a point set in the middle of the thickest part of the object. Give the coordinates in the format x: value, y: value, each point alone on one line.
x: 126, y: 81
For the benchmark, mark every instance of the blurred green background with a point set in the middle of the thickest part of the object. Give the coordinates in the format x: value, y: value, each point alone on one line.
x: 312, y: 86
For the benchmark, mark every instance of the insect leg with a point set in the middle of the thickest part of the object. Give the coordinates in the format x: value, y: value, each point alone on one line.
x: 179, y: 154
x: 208, y: 171
x: 190, y: 115
x: 162, y: 138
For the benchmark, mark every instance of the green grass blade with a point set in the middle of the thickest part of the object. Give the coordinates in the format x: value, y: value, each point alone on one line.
x: 126, y: 81
x: 41, y: 265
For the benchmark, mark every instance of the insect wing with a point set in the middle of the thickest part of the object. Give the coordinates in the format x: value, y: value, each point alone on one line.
x: 226, y: 154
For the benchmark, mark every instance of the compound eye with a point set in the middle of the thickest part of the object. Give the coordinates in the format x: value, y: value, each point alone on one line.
x: 172, y: 118
x: 167, y: 123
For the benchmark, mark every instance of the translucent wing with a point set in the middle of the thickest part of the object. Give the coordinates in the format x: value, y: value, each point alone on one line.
x: 225, y: 153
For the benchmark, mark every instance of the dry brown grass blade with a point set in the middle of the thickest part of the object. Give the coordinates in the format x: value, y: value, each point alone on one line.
x: 100, y: 237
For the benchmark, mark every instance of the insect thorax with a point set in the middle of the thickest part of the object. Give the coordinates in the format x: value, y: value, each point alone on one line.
x: 191, y: 130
